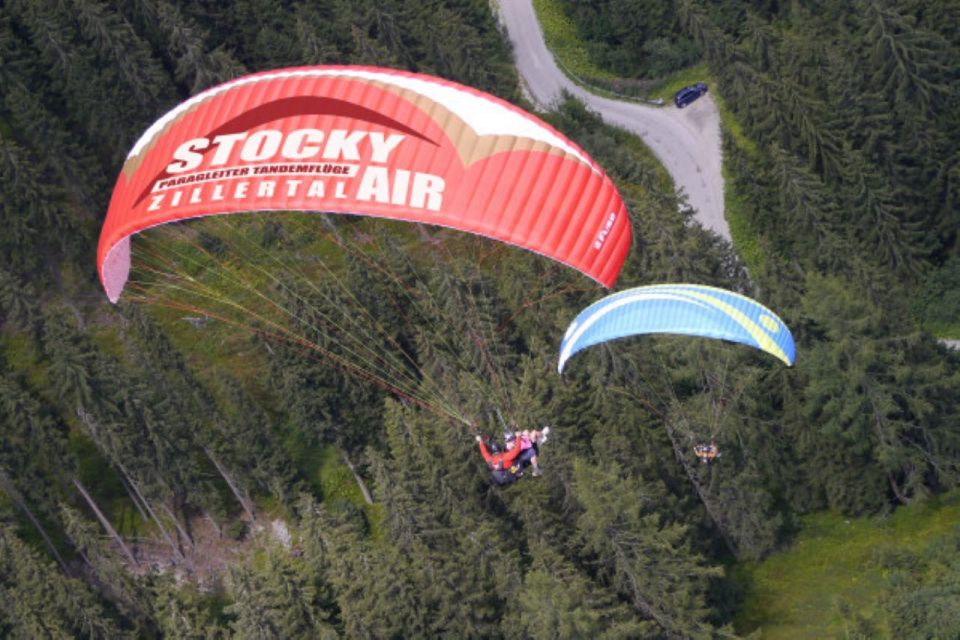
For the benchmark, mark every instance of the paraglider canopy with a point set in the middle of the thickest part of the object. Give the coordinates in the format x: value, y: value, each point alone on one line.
x: 368, y: 141
x: 684, y: 309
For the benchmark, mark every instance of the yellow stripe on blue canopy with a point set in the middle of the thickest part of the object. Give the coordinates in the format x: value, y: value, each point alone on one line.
x: 682, y: 309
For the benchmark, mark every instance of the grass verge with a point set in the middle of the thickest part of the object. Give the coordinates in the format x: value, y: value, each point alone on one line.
x: 560, y: 34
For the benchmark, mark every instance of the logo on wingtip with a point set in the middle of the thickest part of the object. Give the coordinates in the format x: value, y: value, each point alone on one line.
x: 602, y: 236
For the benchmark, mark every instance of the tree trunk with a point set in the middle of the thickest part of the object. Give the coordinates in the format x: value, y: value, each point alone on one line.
x: 356, y: 476
x: 134, y: 498
x: 153, y: 515
x: 333, y: 228
x: 87, y: 419
x: 15, y: 496
x: 901, y: 497
x: 103, y: 521
x: 639, y: 601
x: 176, y: 523
x: 214, y: 524
x: 241, y: 497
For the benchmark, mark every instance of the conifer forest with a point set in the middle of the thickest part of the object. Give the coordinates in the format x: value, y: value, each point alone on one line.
x: 177, y: 465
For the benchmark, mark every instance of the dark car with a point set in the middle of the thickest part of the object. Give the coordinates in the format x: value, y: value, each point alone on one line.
x: 688, y: 94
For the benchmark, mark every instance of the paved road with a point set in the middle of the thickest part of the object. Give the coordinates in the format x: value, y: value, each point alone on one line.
x: 952, y: 344
x: 686, y: 141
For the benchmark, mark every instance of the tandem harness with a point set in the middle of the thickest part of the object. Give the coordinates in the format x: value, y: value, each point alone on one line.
x: 504, y: 477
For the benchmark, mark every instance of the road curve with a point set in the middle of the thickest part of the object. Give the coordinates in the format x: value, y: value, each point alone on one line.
x: 686, y: 141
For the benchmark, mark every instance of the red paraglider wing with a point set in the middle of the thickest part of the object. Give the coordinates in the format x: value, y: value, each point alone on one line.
x: 373, y: 142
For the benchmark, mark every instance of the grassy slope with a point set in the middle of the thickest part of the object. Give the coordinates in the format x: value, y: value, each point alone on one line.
x: 835, y: 562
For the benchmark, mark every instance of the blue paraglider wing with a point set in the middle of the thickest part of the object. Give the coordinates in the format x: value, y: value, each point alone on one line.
x: 684, y: 309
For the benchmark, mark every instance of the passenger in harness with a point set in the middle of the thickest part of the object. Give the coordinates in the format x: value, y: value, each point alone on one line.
x: 530, y: 442
x: 503, y: 468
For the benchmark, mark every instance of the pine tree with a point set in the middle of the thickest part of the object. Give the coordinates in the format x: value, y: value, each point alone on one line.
x: 904, y: 60
x: 869, y: 427
x: 40, y: 602
x: 557, y: 601
x: 647, y: 560
x: 186, y: 44
x: 181, y: 612
x: 277, y: 602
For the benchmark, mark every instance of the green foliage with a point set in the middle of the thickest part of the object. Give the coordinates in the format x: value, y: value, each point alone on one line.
x: 638, y: 553
x: 841, y: 150
x: 922, y: 590
x: 590, y: 62
x: 736, y: 206
x: 843, y: 572
x: 632, y: 38
x: 39, y: 601
x: 849, y: 138
x: 562, y: 39
x: 183, y: 612
x: 279, y: 601
x: 862, y: 404
x: 336, y: 481
x: 937, y: 303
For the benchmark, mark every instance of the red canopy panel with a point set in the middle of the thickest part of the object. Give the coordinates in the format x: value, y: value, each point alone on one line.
x: 368, y: 141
